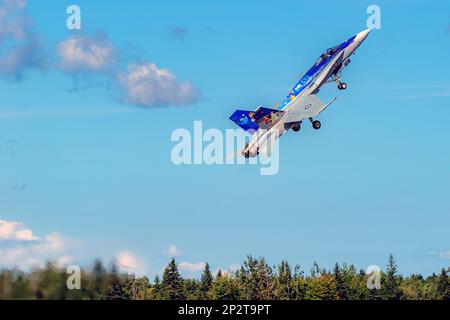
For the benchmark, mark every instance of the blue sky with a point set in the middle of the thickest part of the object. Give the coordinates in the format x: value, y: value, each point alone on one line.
x: 88, y: 166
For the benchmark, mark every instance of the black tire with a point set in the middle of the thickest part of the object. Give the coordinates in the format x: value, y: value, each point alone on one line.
x: 247, y: 155
x: 296, y: 128
x: 317, y: 125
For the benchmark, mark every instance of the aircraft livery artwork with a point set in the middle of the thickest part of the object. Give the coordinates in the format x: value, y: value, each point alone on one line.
x: 302, y: 102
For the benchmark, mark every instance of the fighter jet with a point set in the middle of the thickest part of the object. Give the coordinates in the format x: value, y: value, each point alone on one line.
x: 302, y: 103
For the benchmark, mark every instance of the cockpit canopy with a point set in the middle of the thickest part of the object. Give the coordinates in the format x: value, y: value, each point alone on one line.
x: 326, y: 55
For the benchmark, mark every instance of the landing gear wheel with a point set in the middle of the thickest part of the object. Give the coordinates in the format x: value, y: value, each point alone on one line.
x: 296, y: 128
x: 342, y: 86
x: 316, y: 124
x: 247, y: 155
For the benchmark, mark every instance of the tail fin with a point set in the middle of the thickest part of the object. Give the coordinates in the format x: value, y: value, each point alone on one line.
x: 251, y: 121
x: 245, y: 120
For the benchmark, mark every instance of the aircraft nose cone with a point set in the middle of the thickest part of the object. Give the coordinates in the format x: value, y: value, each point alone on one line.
x: 360, y: 37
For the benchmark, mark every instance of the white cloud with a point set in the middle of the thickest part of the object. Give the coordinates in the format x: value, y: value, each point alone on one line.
x: 173, y: 251
x: 231, y: 269
x: 13, y: 24
x: 146, y: 85
x: 191, y: 267
x: 441, y: 254
x: 85, y: 57
x: 53, y: 247
x: 129, y: 262
x: 86, y: 54
x: 21, y: 48
x: 16, y: 231
x: 19, y: 247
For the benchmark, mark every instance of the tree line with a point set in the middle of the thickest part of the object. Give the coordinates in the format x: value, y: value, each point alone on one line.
x: 255, y: 280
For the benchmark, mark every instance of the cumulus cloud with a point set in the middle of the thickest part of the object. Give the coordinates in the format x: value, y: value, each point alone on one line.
x: 19, y: 247
x: 54, y: 247
x: 191, y: 267
x: 142, y: 84
x: 21, y: 49
x: 146, y: 85
x: 88, y: 57
x: 15, y: 231
x: 88, y: 53
x: 130, y: 263
x: 173, y: 251
x: 13, y: 23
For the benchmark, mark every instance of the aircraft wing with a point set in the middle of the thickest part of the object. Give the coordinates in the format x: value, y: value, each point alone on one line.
x: 308, y: 107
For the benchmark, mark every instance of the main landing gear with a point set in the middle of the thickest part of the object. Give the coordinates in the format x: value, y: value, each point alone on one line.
x: 316, y: 124
x: 296, y: 127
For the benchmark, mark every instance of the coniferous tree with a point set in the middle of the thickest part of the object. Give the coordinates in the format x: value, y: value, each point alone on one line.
x: 206, y: 282
x: 341, y: 285
x: 172, y: 283
x: 156, y: 289
x: 192, y: 289
x: 98, y: 281
x: 391, y: 284
x: 443, y: 287
x: 299, y: 285
x: 115, y: 289
x: 257, y: 279
x: 284, y: 281
x: 225, y: 287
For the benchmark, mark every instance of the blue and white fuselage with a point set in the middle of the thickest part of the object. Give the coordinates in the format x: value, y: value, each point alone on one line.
x: 302, y: 102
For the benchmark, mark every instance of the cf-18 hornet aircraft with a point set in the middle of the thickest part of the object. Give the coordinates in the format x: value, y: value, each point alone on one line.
x: 301, y: 103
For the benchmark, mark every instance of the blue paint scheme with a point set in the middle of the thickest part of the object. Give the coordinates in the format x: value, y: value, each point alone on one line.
x: 262, y: 112
x: 250, y: 120
x: 242, y: 119
x: 315, y: 70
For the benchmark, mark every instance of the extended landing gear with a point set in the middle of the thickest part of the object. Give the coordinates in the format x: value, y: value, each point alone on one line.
x: 337, y: 78
x: 296, y: 127
x: 342, y: 86
x: 316, y: 124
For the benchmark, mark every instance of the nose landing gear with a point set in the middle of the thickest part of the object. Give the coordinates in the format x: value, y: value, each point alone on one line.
x: 342, y: 86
